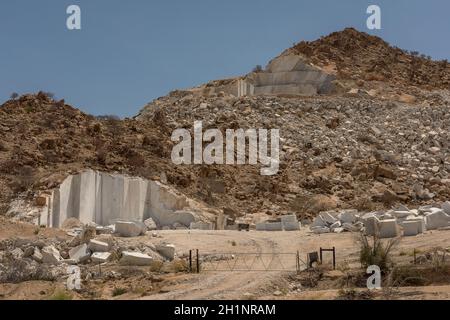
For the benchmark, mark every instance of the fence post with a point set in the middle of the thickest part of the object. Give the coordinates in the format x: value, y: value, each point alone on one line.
x: 334, y: 258
x: 190, y: 261
x: 321, y: 261
x: 198, y: 263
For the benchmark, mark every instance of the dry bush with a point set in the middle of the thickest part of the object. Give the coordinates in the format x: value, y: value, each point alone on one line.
x: 136, y: 160
x: 118, y: 291
x: 3, y: 147
x: 18, y: 271
x: 404, y: 276
x: 376, y: 252
x: 365, y: 204
x: 24, y: 180
x: 353, y: 294
x: 101, y: 156
x: 3, y: 208
x: 61, y: 295
x: 313, y: 204
x: 156, y: 266
x: 177, y: 265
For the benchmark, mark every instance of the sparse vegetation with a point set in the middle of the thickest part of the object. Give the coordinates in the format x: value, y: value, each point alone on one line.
x: 156, y: 266
x: 24, y: 179
x: 118, y: 291
x: 258, y: 68
x: 354, y: 294
x: 376, y: 252
x: 61, y: 295
x: 18, y: 271
x: 108, y: 117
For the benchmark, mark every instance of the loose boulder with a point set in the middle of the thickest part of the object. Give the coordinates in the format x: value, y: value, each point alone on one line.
x: 135, y: 259
x: 388, y: 228
x: 50, y: 255
x: 166, y: 250
x: 101, y: 257
x: 411, y: 228
x: 99, y: 246
x: 437, y: 219
x: 150, y: 224
x: 130, y: 228
x: 80, y: 254
x: 290, y: 223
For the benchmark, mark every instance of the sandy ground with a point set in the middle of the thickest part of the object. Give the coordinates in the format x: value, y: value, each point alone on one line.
x: 233, y: 250
x: 245, y: 284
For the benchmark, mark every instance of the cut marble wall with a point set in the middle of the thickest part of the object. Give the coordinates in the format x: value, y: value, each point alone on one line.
x: 104, y: 198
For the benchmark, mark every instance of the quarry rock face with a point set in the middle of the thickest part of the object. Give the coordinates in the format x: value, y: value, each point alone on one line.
x: 104, y: 198
x: 291, y: 74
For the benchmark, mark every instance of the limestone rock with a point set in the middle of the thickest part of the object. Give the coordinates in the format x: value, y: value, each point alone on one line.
x: 446, y: 207
x: 80, y: 254
x: 388, y: 228
x: 101, y: 257
x: 37, y: 255
x: 17, y: 253
x: 99, y: 246
x: 50, y: 255
x: 150, y: 224
x: 135, y: 259
x: 437, y: 219
x: 130, y: 228
x: 166, y: 250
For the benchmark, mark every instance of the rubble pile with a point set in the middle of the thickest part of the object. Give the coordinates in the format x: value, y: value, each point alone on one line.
x: 48, y: 259
x: 350, y: 150
x: 386, y: 224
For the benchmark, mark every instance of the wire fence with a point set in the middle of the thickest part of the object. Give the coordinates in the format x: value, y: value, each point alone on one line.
x: 239, y: 261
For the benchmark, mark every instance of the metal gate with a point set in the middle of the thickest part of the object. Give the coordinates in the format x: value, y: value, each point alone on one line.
x: 244, y: 261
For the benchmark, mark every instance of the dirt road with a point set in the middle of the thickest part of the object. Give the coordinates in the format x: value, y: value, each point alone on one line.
x: 245, y: 284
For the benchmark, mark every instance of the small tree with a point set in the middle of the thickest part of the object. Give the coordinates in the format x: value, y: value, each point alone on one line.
x: 14, y: 95
x: 258, y: 68
x: 50, y: 95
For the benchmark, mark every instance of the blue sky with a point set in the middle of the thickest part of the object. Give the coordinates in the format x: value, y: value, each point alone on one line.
x: 130, y: 52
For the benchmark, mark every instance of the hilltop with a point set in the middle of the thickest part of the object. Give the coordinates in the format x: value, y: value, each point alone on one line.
x: 358, y: 56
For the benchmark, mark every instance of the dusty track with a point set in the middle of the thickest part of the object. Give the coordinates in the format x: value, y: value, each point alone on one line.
x: 241, y: 284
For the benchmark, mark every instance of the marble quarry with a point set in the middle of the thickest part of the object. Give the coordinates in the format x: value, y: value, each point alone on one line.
x: 105, y: 199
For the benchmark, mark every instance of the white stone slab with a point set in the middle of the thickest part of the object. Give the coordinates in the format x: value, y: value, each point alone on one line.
x: 135, y: 259
x: 99, y: 246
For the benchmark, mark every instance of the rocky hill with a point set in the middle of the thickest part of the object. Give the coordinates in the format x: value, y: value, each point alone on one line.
x: 348, y: 150
x: 361, y: 57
